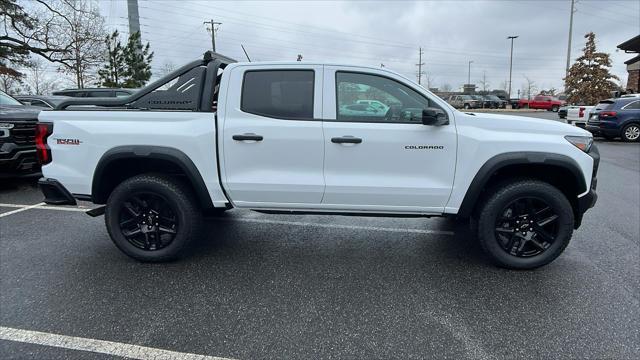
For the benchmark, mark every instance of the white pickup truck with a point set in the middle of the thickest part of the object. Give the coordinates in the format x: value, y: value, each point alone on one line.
x: 578, y: 115
x: 279, y: 137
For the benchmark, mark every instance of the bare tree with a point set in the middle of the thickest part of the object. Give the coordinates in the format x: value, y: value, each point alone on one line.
x: 38, y: 79
x: 67, y: 32
x: 82, y: 27
x: 166, y: 68
x: 529, y: 87
x: 429, y: 78
x: 11, y: 84
x: 484, y: 83
x: 446, y: 87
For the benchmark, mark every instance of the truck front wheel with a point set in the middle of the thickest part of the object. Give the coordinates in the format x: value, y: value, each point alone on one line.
x: 152, y: 217
x: 525, y: 224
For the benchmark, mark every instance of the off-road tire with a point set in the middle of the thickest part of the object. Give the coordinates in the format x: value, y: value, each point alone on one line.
x: 492, y: 206
x: 177, y: 194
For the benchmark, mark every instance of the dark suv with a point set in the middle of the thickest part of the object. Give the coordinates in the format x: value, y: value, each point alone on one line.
x: 17, y: 138
x: 616, y: 118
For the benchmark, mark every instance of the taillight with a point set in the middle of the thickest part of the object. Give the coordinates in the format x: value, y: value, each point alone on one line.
x: 607, y: 114
x: 581, y: 112
x: 43, y: 152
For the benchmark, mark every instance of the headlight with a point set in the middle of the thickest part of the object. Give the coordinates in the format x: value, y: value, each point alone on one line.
x: 581, y: 142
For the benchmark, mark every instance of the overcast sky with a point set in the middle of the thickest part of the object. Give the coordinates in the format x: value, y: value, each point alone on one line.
x: 390, y: 32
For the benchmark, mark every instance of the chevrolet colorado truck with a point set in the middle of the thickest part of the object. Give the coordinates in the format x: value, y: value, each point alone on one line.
x: 275, y: 137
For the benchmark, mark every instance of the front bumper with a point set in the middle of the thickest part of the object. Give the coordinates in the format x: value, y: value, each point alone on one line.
x: 588, y: 200
x: 55, y: 193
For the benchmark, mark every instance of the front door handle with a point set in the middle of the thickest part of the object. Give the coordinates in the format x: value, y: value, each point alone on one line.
x: 347, y: 139
x: 249, y: 136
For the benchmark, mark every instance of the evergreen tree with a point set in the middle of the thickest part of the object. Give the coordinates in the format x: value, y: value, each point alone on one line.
x: 589, y: 79
x: 137, y: 61
x: 112, y: 73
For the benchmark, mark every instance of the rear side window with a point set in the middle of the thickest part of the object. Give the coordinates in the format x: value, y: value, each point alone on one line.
x: 604, y: 105
x: 100, y: 94
x: 282, y: 94
x: 633, y: 105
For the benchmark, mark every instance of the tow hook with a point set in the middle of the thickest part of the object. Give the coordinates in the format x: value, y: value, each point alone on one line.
x: 96, y: 211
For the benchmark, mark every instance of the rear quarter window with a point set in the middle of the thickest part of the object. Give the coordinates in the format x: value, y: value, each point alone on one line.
x: 281, y: 94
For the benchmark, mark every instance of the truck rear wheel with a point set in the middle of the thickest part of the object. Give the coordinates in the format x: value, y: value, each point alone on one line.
x: 555, y: 108
x: 152, y: 217
x: 525, y: 224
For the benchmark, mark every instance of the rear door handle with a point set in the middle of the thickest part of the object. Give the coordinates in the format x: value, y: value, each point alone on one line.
x: 249, y: 136
x: 347, y: 139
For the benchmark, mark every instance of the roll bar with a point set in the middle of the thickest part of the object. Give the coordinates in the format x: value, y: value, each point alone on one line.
x: 193, y: 90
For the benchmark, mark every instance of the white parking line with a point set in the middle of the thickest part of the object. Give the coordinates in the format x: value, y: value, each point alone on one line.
x: 251, y: 220
x: 20, y: 209
x: 97, y: 346
x: 43, y: 207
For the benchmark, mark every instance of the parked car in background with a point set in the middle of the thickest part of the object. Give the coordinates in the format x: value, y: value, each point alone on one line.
x: 41, y: 101
x: 95, y: 92
x: 562, y: 112
x: 614, y: 118
x: 17, y: 138
x: 578, y: 114
x: 464, y: 102
x: 375, y: 103
x: 544, y: 102
x: 495, y: 102
x: 362, y: 110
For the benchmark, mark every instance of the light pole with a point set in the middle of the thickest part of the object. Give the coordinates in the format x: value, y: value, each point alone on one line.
x: 511, y: 63
x: 469, y: 75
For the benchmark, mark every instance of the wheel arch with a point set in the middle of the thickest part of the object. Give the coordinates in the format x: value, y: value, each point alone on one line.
x: 123, y: 162
x: 557, y: 169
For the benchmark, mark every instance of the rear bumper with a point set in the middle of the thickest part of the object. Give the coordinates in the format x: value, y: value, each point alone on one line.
x: 55, y: 193
x: 598, y: 130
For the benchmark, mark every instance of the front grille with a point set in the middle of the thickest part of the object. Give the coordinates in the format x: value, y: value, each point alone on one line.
x: 23, y: 134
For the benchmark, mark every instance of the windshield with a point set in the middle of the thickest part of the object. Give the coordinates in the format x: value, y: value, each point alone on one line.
x: 8, y: 100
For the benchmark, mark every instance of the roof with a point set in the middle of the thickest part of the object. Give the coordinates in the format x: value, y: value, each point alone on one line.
x: 632, y: 60
x: 631, y: 45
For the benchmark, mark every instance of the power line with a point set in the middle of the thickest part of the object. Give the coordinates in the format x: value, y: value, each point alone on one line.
x: 213, y: 30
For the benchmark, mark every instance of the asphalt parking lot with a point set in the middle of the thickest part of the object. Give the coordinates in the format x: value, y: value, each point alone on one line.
x: 275, y: 286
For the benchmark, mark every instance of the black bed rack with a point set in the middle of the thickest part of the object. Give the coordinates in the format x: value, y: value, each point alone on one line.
x: 193, y: 89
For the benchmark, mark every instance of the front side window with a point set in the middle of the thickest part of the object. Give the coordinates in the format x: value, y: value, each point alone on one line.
x: 282, y: 94
x: 372, y: 98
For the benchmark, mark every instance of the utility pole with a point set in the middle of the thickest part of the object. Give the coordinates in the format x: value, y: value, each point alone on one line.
x: 420, y: 64
x: 134, y: 19
x: 573, y: 10
x: 469, y: 75
x: 511, y: 64
x: 213, y: 29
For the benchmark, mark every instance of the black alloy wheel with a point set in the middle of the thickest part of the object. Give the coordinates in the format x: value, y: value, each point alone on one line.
x: 526, y: 227
x: 148, y: 222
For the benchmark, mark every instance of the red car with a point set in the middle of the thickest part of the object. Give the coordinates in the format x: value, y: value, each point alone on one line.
x: 545, y: 102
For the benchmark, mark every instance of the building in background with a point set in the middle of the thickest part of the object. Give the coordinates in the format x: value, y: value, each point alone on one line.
x: 632, y: 46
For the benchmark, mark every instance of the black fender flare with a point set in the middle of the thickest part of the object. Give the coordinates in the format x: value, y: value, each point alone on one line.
x: 516, y: 158
x: 169, y: 154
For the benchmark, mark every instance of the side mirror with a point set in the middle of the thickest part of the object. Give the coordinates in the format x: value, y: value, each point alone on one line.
x: 434, y: 117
